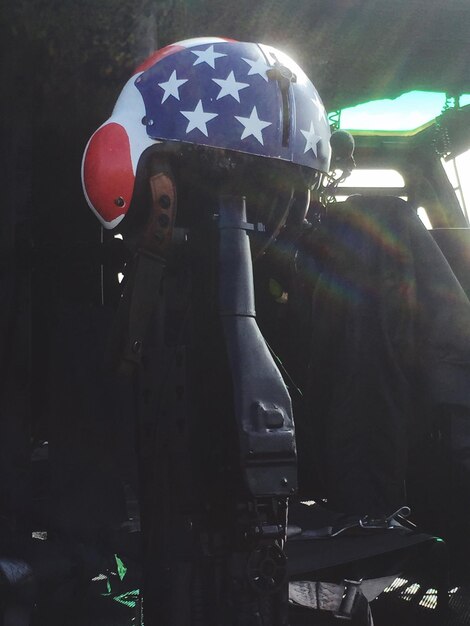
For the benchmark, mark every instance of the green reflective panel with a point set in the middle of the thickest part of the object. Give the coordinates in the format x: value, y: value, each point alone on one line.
x: 407, y: 112
x: 128, y: 599
x: 121, y: 568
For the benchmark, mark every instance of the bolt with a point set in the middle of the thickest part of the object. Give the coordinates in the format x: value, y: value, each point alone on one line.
x: 120, y: 201
x: 284, y: 481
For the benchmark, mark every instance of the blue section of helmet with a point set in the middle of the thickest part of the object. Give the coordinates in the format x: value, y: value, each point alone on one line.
x: 220, y: 95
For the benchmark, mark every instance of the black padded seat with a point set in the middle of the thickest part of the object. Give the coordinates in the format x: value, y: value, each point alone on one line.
x: 455, y: 246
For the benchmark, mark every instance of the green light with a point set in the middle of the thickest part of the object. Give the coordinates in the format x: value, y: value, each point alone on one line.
x: 407, y: 112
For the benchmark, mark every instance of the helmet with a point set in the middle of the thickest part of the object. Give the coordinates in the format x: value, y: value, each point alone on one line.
x: 233, y: 98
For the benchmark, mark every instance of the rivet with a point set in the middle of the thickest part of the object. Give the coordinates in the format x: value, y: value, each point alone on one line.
x: 164, y: 220
x: 120, y: 201
x: 164, y: 201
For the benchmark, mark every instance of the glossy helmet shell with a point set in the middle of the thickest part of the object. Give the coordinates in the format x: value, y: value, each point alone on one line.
x: 243, y: 97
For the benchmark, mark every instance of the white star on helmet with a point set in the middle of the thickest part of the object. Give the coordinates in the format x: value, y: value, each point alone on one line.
x: 171, y: 86
x: 230, y: 87
x: 311, y: 139
x: 319, y: 106
x: 207, y: 56
x: 258, y: 66
x: 198, y: 119
x: 253, y: 126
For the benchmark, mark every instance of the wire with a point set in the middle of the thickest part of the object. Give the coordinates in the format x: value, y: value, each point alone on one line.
x: 284, y: 370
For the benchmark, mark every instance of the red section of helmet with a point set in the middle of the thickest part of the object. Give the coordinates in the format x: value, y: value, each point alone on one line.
x: 107, y: 172
x: 157, y: 56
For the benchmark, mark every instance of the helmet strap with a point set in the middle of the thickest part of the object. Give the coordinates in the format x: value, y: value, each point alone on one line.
x: 141, y: 296
x: 158, y: 232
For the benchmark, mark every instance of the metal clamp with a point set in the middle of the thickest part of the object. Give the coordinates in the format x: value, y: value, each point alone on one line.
x: 383, y: 522
x: 239, y: 224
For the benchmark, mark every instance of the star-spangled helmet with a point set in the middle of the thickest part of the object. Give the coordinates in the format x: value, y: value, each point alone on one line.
x: 241, y: 97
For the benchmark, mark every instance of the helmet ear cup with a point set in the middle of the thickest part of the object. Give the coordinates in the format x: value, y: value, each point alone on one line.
x: 107, y: 173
